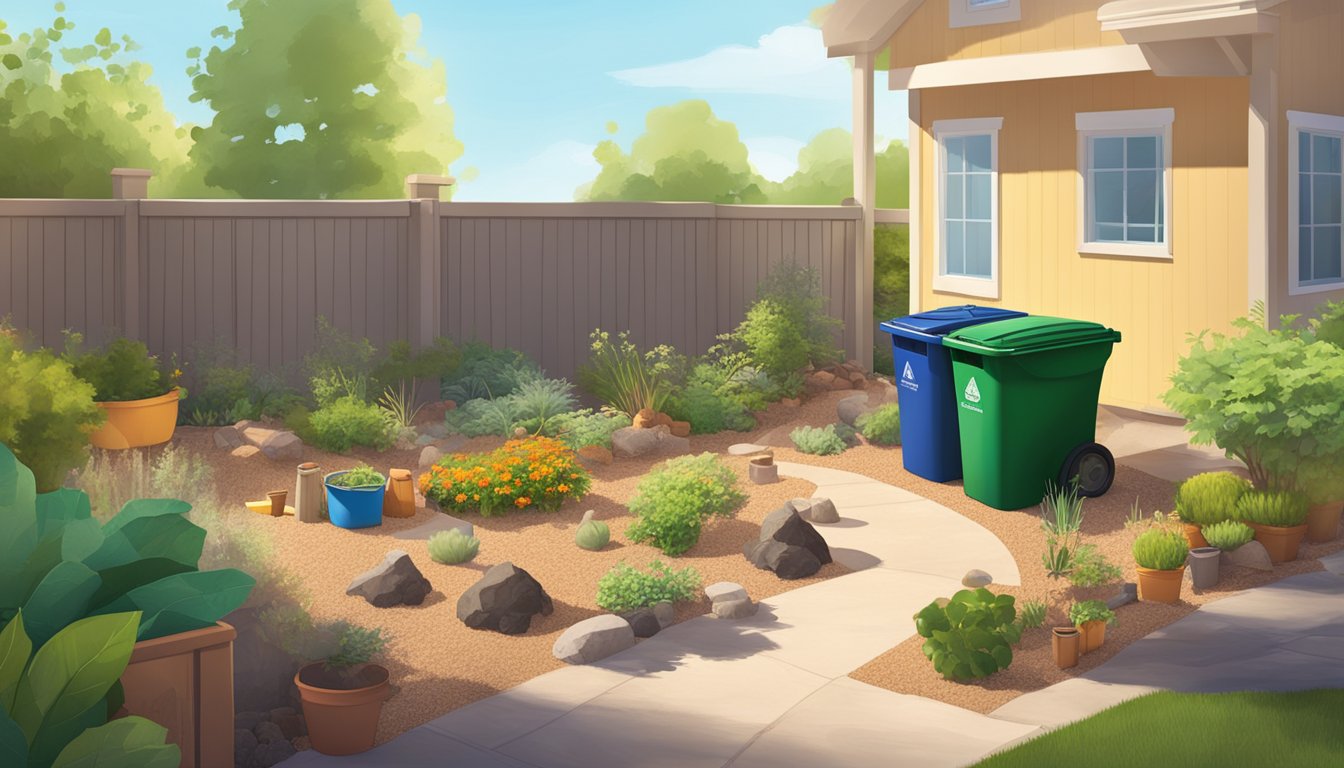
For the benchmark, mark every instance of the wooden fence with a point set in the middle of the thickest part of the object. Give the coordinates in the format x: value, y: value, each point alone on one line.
x: 256, y: 275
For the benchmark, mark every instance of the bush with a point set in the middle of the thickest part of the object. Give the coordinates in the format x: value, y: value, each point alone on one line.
x: 818, y: 441
x: 484, y: 372
x: 1284, y: 509
x: 625, y: 588
x: 620, y: 376
x: 1210, y: 497
x: 536, y: 472
x: 123, y: 370
x: 361, y: 476
x: 46, y: 413
x: 788, y: 326
x: 401, y: 367
x: 1328, y: 325
x: 972, y: 637
x: 1227, y: 535
x: 1090, y: 610
x: 1032, y: 615
x: 675, y: 500
x: 891, y: 286
x: 579, y: 429
x: 1092, y: 569
x: 349, y: 421
x: 1160, y: 550
x: 337, y: 354
x: 453, y: 547
x: 709, y: 411
x: 484, y: 416
x: 535, y: 406
x: 881, y: 426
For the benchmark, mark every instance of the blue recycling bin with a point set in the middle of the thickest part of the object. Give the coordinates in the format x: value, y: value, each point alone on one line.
x: 931, y: 445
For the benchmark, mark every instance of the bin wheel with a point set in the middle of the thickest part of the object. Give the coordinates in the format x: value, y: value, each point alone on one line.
x: 1093, y: 467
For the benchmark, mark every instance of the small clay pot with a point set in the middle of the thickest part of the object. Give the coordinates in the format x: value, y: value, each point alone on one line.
x: 1194, y: 534
x: 277, y: 502
x: 1064, y: 646
x: 680, y: 428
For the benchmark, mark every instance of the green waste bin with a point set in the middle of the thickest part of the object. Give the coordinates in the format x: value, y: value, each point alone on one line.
x: 1027, y: 393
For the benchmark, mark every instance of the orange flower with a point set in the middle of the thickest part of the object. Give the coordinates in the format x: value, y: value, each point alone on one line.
x: 459, y: 498
x: 483, y: 482
x: 521, y: 501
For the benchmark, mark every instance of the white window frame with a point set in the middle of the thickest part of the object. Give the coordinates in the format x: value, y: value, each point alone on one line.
x: 961, y: 13
x: 1129, y: 122
x: 980, y: 287
x: 1312, y: 123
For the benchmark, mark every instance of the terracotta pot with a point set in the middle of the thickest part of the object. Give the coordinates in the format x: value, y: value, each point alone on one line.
x: 1281, y: 543
x: 342, y: 722
x: 308, y: 493
x: 1203, y: 562
x: 137, y: 423
x: 1092, y: 634
x: 1160, y: 586
x: 399, y: 501
x: 1065, y: 645
x: 1323, y: 521
x: 277, y: 499
x: 680, y: 428
x: 1195, y: 535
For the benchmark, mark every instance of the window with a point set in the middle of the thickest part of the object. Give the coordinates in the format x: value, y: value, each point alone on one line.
x: 1124, y: 187
x: 1315, y: 202
x: 974, y: 13
x: 967, y: 206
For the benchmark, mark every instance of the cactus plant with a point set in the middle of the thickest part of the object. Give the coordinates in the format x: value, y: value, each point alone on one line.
x: 1228, y: 535
x: 453, y: 547
x: 970, y: 637
x: 1210, y: 497
x: 592, y: 534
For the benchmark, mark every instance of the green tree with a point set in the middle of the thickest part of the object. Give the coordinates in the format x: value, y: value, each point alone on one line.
x: 825, y: 174
x: 62, y: 132
x: 684, y: 154
x: 320, y: 99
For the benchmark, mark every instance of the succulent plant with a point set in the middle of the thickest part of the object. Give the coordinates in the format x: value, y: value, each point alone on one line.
x: 1160, y: 550
x: 453, y: 547
x: 1273, y: 508
x: 970, y: 637
x: 592, y: 534
x: 1210, y: 497
x: 1032, y: 614
x: 1228, y: 535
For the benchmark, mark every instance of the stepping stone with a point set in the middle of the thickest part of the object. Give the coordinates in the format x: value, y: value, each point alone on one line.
x: 745, y: 449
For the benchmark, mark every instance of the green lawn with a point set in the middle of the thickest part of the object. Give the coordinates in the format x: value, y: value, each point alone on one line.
x: 1194, y: 730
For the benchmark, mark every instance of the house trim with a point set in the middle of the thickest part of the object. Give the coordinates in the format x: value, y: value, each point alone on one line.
x: 984, y: 288
x: 1119, y: 123
x: 1045, y: 65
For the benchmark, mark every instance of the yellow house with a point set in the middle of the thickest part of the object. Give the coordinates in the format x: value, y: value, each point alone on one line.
x: 1154, y: 165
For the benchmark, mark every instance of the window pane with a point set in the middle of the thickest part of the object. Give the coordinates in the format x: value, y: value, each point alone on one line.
x: 1108, y: 153
x: 955, y: 196
x: 1325, y: 154
x: 978, y: 196
x: 1303, y: 150
x: 1325, y: 199
x: 1303, y: 254
x: 1142, y: 234
x: 955, y: 150
x: 1110, y: 233
x: 977, y: 153
x: 1142, y: 195
x: 978, y: 248
x: 1304, y: 198
x: 956, y: 248
x: 1325, y: 253
x: 1109, y: 205
x: 1142, y: 152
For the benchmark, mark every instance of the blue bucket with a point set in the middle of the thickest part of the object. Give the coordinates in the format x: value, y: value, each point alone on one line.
x: 360, y: 507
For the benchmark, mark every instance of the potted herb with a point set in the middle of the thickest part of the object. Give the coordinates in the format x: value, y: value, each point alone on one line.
x: 1208, y: 498
x: 139, y: 397
x: 1160, y: 554
x: 1091, y: 618
x: 1324, y: 484
x: 1279, y: 519
x: 355, y: 497
x: 1228, y: 535
x: 342, y: 695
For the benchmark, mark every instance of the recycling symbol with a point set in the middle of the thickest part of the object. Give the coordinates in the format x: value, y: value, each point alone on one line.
x: 972, y: 392
x: 908, y: 374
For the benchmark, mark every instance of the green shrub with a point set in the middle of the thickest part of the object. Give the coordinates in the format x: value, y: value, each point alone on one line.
x: 361, y: 476
x: 788, y: 325
x: 881, y: 426
x: 972, y: 637
x: 818, y: 441
x: 1227, y: 535
x: 453, y: 547
x: 1328, y: 325
x: 1210, y: 497
x: 1061, y: 519
x: 403, y: 368
x: 675, y: 500
x: 579, y: 429
x: 620, y: 376
x: 483, y: 416
x: 1090, y: 610
x: 1284, y: 509
x: 709, y: 410
x: 1031, y: 615
x: 122, y: 370
x: 1160, y: 550
x: 625, y: 588
x: 46, y: 413
x: 355, y: 645
x: 1092, y: 569
x: 349, y: 421
x: 484, y: 372
x: 337, y: 354
x: 891, y: 286
x: 539, y: 401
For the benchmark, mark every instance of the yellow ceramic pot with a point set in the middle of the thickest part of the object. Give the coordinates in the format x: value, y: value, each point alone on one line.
x: 137, y: 423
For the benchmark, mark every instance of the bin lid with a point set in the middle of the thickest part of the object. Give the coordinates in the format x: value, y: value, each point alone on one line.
x: 937, y: 322
x: 1032, y: 333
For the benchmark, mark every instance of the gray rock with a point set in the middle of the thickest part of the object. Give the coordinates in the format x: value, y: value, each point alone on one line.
x: 505, y: 600
x: 976, y: 578
x: 630, y: 442
x: 268, y: 731
x: 272, y: 753
x: 643, y: 622
x: 395, y: 581
x: 733, y: 609
x: 1252, y: 554
x: 666, y: 614
x: 594, y: 639
x: 282, y: 446
x: 434, y: 429
x: 851, y: 408
x: 819, y: 510
x: 788, y: 545
x: 725, y: 590
x: 248, y: 720
x: 1129, y: 593
x: 429, y: 456
x: 423, y: 440
x: 228, y: 437
x: 244, y: 744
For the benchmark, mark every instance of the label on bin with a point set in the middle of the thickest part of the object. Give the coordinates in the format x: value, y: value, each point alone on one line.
x: 971, y: 395
x: 908, y: 378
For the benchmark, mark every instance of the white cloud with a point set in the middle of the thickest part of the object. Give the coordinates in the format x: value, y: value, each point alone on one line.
x: 551, y: 175
x: 790, y: 61
x: 774, y: 157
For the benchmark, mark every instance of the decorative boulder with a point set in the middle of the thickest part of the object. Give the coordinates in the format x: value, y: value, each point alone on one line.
x: 788, y: 545
x: 283, y: 446
x: 594, y: 639
x: 851, y: 408
x: 395, y: 581
x: 228, y: 437
x: 666, y: 613
x: 733, y: 609
x: 643, y: 622
x: 976, y: 578
x: 819, y: 510
x: 429, y: 456
x: 1251, y: 555
x: 632, y: 442
x: 505, y: 600
x: 725, y: 590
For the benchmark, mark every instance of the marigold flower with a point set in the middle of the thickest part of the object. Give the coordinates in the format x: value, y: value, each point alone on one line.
x: 521, y: 501
x: 459, y: 498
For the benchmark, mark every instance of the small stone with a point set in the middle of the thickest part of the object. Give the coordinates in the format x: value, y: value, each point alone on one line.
x: 595, y: 454
x: 268, y: 731
x: 594, y: 639
x: 819, y: 510
x: 666, y: 613
x: 725, y: 590
x: 745, y: 449
x: 857, y: 379
x: 283, y: 446
x: 291, y: 725
x: 228, y: 437
x: 244, y: 742
x: 630, y: 442
x: 733, y: 609
x: 248, y: 720
x: 245, y: 451
x: 273, y: 753
x: 435, y: 429
x: 279, y: 712
x: 394, y: 581
x: 1252, y: 555
x: 788, y: 545
x: 976, y: 578
x: 643, y: 622
x: 1125, y: 597
x: 429, y: 456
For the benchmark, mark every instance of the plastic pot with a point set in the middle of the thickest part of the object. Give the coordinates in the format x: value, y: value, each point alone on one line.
x: 1203, y: 562
x: 1323, y: 521
x: 342, y: 721
x: 354, y: 507
x: 400, y: 498
x: 1160, y: 586
x: 1281, y: 543
x: 1065, y: 644
x: 137, y: 423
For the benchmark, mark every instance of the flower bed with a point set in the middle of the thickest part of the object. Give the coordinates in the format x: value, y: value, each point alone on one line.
x: 536, y: 472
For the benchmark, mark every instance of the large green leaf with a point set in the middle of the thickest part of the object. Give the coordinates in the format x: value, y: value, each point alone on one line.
x: 138, y: 509
x: 205, y: 596
x: 129, y: 742
x: 53, y: 736
x: 73, y: 671
x: 172, y: 537
x: 121, y: 579
x: 41, y: 559
x: 15, y: 648
x: 18, y: 525
x: 13, y: 745
x: 63, y: 505
x: 80, y: 538
x: 170, y: 623
x: 60, y: 598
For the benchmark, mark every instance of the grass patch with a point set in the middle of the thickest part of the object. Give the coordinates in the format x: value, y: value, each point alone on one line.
x: 1195, y: 729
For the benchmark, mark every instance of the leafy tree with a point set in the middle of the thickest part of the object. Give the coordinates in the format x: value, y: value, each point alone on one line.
x: 320, y: 99
x: 825, y: 174
x: 62, y: 132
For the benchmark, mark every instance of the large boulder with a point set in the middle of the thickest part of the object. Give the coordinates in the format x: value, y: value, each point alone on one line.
x: 395, y: 581
x: 283, y: 446
x: 631, y: 442
x: 228, y: 437
x: 505, y: 600
x: 643, y: 621
x: 788, y: 545
x: 594, y: 639
x: 851, y: 408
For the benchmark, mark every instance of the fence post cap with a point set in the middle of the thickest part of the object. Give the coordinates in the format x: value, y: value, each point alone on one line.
x: 137, y: 173
x: 426, y: 185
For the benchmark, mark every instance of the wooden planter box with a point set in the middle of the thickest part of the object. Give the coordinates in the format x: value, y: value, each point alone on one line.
x: 184, y: 682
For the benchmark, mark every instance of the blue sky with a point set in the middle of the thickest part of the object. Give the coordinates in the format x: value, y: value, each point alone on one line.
x: 533, y: 84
